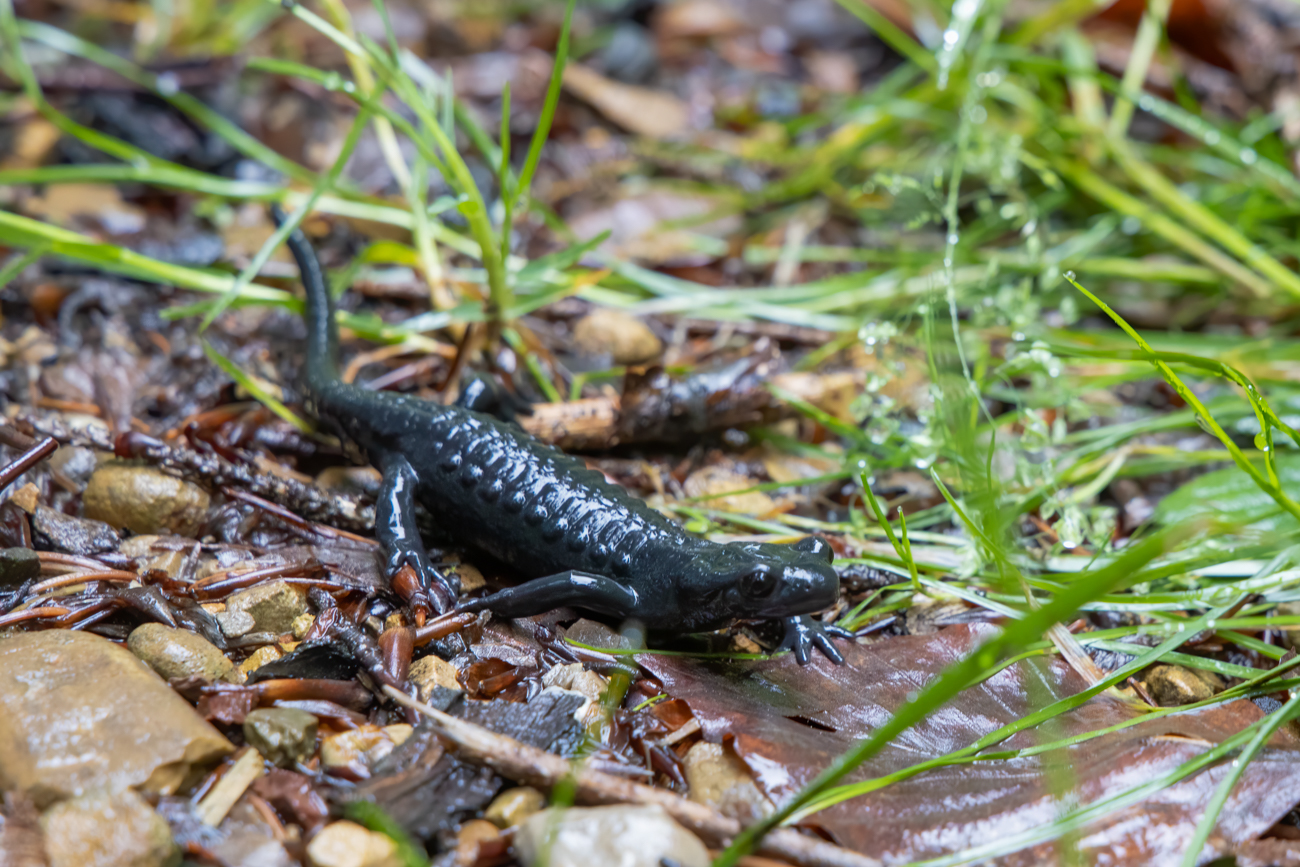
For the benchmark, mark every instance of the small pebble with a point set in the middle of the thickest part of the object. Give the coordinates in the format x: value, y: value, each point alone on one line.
x: 620, y: 335
x: 27, y: 498
x: 102, y: 830
x: 468, y: 839
x: 347, y: 844
x: 619, y: 836
x: 259, y: 658
x: 300, y: 625
x: 514, y: 805
x: 273, y: 605
x: 18, y: 565
x: 1172, y: 685
x: 358, y: 750
x: 283, y: 735
x: 234, y: 623
x: 143, y: 499
x: 720, y: 780
x: 179, y: 653
x: 80, y: 536
x: 431, y: 674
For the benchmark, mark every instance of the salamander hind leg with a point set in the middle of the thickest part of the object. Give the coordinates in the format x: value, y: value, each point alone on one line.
x: 403, y: 547
x: 577, y: 589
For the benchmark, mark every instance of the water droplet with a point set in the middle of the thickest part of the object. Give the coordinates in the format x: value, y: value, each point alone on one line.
x: 911, y: 695
x: 1248, y: 156
x: 1210, y: 624
x: 1236, y: 763
x: 1018, y: 336
x: 1069, y: 275
x: 167, y: 84
x: 1261, y: 442
x: 950, y: 37
x: 1212, y: 137
x: 1146, y: 103
x: 1182, y: 628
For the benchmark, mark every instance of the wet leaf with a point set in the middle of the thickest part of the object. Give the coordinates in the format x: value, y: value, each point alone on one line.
x: 788, y: 723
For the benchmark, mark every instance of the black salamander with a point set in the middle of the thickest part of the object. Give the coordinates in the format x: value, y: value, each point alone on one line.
x: 584, y: 542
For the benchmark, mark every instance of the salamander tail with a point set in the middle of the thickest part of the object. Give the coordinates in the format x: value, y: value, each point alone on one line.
x: 322, y: 369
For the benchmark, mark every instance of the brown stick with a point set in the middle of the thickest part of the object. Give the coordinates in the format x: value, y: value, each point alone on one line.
x: 525, y: 764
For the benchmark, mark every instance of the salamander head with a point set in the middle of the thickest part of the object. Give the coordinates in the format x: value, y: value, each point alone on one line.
x: 757, y: 581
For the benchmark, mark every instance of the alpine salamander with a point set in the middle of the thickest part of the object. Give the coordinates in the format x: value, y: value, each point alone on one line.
x: 584, y: 542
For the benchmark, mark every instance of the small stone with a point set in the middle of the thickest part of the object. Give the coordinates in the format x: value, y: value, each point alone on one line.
x: 78, y: 713
x: 260, y: 657
x: 27, y: 498
x: 595, y: 634
x: 471, y: 834
x: 299, y: 627
x: 362, y: 480
x: 432, y: 673
x: 274, y: 606
x: 1172, y: 685
x: 18, y: 565
x: 235, y: 623
x: 624, y: 835
x: 716, y: 777
x: 103, y: 830
x: 399, y: 732
x: 76, y: 464
x: 143, y: 499
x: 347, y: 844
x: 179, y: 653
x: 283, y: 735
x: 514, y: 805
x: 575, y: 678
x: 80, y: 536
x: 620, y: 335
x: 357, y: 750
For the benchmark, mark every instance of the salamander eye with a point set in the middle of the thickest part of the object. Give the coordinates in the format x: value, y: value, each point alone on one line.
x: 759, y: 583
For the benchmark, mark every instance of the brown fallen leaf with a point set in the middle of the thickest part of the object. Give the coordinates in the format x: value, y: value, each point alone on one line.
x: 789, y: 722
x: 641, y: 110
x: 660, y: 226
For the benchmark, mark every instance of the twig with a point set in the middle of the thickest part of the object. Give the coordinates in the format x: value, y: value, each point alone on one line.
x: 232, y: 785
x: 338, y: 509
x: 526, y: 764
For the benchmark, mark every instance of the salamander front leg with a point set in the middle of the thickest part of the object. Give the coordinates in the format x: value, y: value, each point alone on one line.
x: 805, y: 632
x: 395, y: 527
x: 488, y: 396
x: 578, y: 589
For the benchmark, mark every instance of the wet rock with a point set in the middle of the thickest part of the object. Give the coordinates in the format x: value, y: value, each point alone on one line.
x: 103, y: 830
x: 435, y: 681
x: 514, y: 806
x: 575, y: 678
x: 620, y: 335
x: 78, y: 712
x: 1173, y: 685
x: 235, y: 623
x: 262, y: 656
x: 144, y: 500
x: 627, y: 836
x: 81, y: 536
x: 347, y: 844
x: 595, y: 634
x: 360, y: 749
x: 179, y: 653
x: 283, y: 735
x: 76, y: 464
x: 274, y: 606
x: 18, y: 565
x: 248, y: 841
x: 720, y: 780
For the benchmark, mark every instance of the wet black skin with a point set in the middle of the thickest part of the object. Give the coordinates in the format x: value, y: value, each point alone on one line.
x: 584, y: 542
